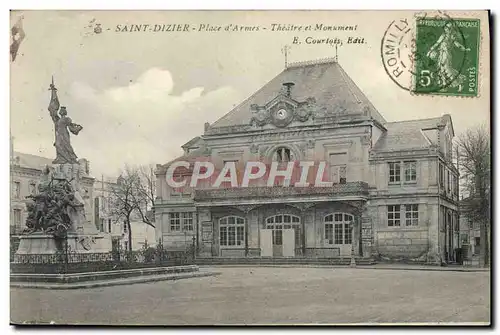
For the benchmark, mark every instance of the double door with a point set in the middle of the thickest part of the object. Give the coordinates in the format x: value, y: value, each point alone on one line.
x: 281, y: 236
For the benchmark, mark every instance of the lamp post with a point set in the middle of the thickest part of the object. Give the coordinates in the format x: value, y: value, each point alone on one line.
x: 353, y: 260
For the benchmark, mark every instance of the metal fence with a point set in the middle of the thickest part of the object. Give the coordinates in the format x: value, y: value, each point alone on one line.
x: 70, y: 262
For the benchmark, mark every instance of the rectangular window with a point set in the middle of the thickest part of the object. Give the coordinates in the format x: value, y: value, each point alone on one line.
x: 338, y: 174
x: 17, y: 189
x: 187, y: 221
x: 347, y: 233
x: 232, y: 232
x: 394, y: 172
x: 410, y: 169
x: 17, y: 217
x: 342, y: 174
x: 471, y: 225
x: 32, y: 188
x: 452, y: 180
x: 109, y: 225
x: 411, y: 213
x: 448, y: 181
x: 339, y: 231
x: 338, y: 167
x: 124, y: 227
x: 394, y: 215
x: 175, y: 221
x: 441, y: 175
x: 223, y: 235
x: 455, y: 184
x: 231, y: 235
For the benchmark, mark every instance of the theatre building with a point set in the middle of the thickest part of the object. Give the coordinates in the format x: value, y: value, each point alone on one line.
x: 394, y: 193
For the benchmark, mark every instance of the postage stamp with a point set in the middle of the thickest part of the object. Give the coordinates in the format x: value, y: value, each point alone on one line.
x: 447, y: 56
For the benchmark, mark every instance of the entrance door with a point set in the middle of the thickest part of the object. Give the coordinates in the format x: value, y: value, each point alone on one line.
x: 285, y: 234
x: 288, y: 243
x: 266, y: 242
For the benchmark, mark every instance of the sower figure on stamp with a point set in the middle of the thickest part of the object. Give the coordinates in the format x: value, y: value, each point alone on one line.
x: 443, y: 51
x: 62, y: 123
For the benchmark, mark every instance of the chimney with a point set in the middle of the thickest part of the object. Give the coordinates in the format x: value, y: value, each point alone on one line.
x: 288, y: 88
x: 207, y: 126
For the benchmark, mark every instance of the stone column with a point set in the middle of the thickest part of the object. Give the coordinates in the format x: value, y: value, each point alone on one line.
x: 247, y: 226
x: 356, y: 235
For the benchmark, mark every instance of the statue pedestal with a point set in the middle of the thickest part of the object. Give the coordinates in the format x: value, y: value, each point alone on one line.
x: 73, y: 203
x: 78, y: 245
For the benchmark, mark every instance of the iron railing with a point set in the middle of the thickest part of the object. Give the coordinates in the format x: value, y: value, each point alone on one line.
x: 70, y: 262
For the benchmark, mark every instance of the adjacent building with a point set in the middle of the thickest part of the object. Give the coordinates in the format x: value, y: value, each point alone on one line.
x: 142, y: 234
x: 395, y: 188
x: 470, y: 228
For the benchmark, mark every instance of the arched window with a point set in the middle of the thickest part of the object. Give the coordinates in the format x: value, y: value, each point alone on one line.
x: 232, y: 231
x: 338, y: 228
x: 283, y: 221
x: 283, y: 155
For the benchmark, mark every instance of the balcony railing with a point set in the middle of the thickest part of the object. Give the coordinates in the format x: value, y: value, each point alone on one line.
x: 348, y: 189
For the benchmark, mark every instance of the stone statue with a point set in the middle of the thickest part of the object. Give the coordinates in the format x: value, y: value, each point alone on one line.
x: 63, y: 125
x: 55, y: 210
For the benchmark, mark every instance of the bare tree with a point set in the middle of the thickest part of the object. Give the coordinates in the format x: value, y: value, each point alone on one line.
x: 475, y: 168
x: 146, y: 193
x: 132, y: 196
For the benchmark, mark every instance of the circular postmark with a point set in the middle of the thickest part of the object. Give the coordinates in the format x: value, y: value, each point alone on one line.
x: 396, y: 52
x: 428, y: 58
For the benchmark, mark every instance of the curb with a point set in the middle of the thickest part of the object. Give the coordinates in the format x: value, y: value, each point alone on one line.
x: 128, y: 281
x: 445, y: 269
x: 359, y: 267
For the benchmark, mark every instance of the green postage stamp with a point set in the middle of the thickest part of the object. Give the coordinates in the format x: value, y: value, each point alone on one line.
x: 447, y: 56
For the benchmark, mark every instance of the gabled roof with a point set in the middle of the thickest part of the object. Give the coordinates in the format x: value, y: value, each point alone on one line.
x: 324, y: 80
x: 411, y: 134
x: 190, y: 157
x: 191, y: 142
x: 31, y: 161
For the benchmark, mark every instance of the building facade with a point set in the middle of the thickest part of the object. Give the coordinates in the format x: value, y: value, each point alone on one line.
x: 394, y: 192
x: 470, y: 227
x: 103, y: 216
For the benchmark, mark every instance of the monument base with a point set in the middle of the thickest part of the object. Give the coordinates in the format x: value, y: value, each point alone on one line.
x: 75, y: 244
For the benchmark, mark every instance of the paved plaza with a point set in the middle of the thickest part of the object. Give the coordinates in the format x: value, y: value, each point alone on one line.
x: 267, y: 295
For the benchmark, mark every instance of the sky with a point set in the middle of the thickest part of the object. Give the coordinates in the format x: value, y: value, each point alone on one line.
x: 140, y: 95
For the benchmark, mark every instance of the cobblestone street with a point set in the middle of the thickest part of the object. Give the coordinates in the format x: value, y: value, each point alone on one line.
x: 269, y: 296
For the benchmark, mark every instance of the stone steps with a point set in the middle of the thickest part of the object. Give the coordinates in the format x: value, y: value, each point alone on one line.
x: 112, y: 282
x: 281, y: 261
x: 101, y: 275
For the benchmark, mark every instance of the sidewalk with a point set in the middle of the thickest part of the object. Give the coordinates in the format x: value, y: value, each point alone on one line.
x: 459, y: 268
x: 379, y: 266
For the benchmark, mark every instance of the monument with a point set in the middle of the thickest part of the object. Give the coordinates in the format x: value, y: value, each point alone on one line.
x: 56, y: 214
